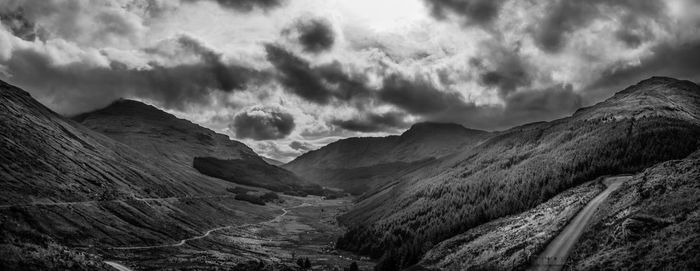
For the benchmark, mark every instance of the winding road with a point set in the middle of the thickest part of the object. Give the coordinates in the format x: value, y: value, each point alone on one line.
x: 209, y: 232
x: 121, y: 267
x: 554, y: 256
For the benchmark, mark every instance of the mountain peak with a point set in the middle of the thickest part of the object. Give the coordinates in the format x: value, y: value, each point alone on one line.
x: 662, y: 85
x: 656, y: 96
x: 126, y: 107
x: 427, y: 128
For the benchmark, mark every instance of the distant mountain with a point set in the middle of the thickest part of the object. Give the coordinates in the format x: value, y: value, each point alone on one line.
x: 163, y: 136
x: 66, y: 185
x: 154, y: 132
x: 358, y: 164
x: 272, y: 161
x: 651, y: 122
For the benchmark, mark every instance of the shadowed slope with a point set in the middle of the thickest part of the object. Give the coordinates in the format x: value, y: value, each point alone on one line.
x: 163, y: 136
x: 66, y: 186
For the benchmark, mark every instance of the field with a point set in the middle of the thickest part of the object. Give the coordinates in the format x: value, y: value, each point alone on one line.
x: 302, y: 228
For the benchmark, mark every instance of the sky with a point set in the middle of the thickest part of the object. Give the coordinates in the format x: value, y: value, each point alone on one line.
x: 289, y: 76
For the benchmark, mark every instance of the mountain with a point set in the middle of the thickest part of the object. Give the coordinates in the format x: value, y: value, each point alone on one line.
x: 272, y: 161
x: 359, y: 164
x: 653, y: 121
x: 163, y: 136
x: 65, y: 186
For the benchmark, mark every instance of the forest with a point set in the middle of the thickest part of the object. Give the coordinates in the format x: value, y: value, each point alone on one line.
x: 510, y: 173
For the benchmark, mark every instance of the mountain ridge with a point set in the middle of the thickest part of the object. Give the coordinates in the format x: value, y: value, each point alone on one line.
x: 521, y: 167
x: 359, y: 163
x: 164, y: 136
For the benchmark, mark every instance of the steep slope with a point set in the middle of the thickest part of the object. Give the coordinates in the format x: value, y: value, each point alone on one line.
x: 65, y: 186
x: 653, y: 121
x: 510, y: 243
x: 358, y: 164
x: 651, y: 223
x: 163, y: 136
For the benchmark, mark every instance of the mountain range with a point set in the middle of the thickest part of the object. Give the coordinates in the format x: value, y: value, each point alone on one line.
x: 515, y: 170
x: 437, y: 197
x: 362, y: 164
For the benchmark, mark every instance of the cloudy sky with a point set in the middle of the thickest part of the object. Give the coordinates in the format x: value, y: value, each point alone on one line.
x: 287, y: 76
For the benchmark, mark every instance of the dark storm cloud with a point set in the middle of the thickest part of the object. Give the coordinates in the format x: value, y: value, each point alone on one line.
x: 471, y: 11
x: 506, y: 70
x: 680, y: 61
x: 316, y: 84
x: 247, y: 5
x: 263, y: 123
x: 315, y: 35
x: 542, y: 104
x: 18, y: 24
x: 373, y: 122
x: 567, y: 16
x: 78, y: 86
x: 520, y: 107
x: 301, y: 146
x: 416, y: 96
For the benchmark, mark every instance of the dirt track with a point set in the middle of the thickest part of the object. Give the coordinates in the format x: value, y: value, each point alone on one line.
x: 556, y: 253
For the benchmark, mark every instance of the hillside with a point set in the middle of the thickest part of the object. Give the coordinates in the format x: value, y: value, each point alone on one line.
x: 65, y: 186
x: 163, y: 136
x: 358, y: 164
x: 654, y: 121
x: 651, y: 223
x: 512, y: 242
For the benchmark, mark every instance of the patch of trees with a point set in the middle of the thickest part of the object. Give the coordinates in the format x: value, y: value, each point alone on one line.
x: 250, y: 198
x: 510, y: 175
x: 304, y: 263
x: 258, y: 199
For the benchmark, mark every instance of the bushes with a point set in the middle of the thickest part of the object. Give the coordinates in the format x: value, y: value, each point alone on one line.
x: 269, y: 197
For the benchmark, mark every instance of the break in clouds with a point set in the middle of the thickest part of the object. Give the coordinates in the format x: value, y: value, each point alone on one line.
x: 287, y: 76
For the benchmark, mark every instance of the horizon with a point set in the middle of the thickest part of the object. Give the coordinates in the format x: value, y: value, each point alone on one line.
x: 286, y: 77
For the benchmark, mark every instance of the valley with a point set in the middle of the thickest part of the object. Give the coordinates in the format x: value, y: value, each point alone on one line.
x: 130, y: 187
x: 304, y: 228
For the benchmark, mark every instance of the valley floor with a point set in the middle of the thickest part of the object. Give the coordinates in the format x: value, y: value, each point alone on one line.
x: 304, y: 228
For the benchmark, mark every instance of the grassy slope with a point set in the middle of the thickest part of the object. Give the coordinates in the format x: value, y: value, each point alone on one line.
x: 46, y: 158
x: 654, y: 121
x: 651, y: 223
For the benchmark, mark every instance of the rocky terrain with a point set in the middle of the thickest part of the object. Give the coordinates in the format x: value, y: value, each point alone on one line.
x: 358, y: 165
x: 517, y: 169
